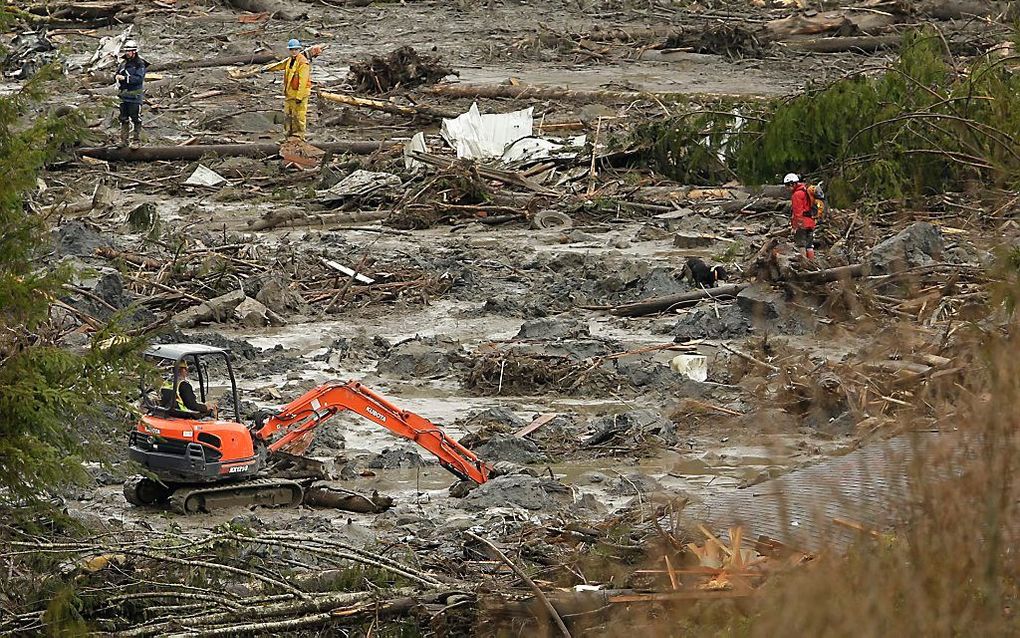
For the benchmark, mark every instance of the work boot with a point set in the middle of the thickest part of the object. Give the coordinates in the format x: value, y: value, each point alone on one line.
x: 137, y: 138
x: 125, y: 130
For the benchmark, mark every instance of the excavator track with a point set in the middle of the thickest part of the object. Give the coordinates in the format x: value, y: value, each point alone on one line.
x: 264, y: 492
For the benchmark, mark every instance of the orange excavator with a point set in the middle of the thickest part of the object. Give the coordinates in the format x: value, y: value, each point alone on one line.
x: 204, y: 464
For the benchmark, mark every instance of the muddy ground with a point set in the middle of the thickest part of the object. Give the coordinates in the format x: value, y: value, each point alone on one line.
x: 500, y: 323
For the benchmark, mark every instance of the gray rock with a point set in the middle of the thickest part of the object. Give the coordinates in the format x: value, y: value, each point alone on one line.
x: 919, y: 244
x: 503, y: 447
x: 277, y: 295
x: 702, y: 323
x: 553, y: 328
x: 518, y: 490
x: 74, y: 238
x: 396, y: 458
x: 634, y: 484
x: 692, y: 240
x: 422, y: 358
x: 760, y: 302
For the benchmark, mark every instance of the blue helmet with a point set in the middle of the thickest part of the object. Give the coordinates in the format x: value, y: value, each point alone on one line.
x: 294, y: 43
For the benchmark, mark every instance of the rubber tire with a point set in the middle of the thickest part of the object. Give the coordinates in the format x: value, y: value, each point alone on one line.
x: 549, y: 219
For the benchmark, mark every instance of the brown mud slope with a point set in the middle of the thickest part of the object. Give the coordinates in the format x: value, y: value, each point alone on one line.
x: 495, y: 299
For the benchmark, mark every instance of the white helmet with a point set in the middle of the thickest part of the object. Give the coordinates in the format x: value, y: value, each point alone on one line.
x: 129, y: 45
x: 791, y: 178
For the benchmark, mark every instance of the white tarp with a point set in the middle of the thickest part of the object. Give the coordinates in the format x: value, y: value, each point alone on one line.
x: 477, y: 136
x: 536, y: 148
x: 693, y: 366
x: 204, y: 177
x: 108, y: 52
x: 415, y: 145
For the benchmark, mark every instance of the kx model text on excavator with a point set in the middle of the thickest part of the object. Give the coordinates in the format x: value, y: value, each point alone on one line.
x: 205, y: 464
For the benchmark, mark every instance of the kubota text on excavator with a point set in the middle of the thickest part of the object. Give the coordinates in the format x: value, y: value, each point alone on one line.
x: 203, y: 465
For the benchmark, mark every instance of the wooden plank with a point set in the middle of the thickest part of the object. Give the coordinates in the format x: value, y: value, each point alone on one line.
x: 539, y: 421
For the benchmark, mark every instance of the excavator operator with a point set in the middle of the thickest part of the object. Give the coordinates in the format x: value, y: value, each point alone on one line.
x: 183, y: 398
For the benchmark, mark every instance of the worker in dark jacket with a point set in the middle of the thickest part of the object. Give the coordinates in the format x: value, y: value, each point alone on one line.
x: 802, y: 219
x: 183, y: 397
x: 131, y: 82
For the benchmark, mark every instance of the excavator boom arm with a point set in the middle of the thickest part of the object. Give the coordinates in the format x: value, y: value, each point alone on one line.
x: 298, y: 418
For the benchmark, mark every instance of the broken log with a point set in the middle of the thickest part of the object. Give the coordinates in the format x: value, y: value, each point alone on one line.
x: 197, y: 151
x: 335, y: 497
x: 216, y: 309
x: 833, y: 22
x: 206, y: 63
x: 833, y: 274
x: 661, y: 304
x: 387, y: 107
x: 859, y: 44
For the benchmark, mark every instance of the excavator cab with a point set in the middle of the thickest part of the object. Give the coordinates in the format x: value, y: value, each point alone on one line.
x: 162, y: 401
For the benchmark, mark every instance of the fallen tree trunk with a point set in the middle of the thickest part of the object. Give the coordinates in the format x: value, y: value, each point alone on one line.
x: 277, y: 9
x: 661, y: 304
x: 870, y: 23
x: 300, y: 218
x: 862, y: 44
x: 522, y: 91
x: 387, y: 107
x: 79, y: 11
x: 191, y: 153
x: 264, y: 57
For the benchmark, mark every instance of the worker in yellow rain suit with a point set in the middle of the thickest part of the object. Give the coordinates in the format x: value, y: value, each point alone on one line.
x: 297, y: 86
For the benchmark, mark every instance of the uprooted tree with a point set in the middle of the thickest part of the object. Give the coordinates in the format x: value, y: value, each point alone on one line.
x: 44, y: 387
x: 924, y: 125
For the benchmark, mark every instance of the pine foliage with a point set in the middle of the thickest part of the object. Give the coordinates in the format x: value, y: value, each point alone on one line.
x: 925, y: 125
x: 44, y: 388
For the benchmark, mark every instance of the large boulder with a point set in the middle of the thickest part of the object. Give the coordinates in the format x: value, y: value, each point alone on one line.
x: 277, y: 295
x: 919, y: 244
x: 518, y: 490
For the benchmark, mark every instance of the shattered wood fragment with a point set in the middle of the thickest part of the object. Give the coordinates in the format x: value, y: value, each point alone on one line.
x: 294, y: 217
x: 403, y: 68
x: 387, y: 107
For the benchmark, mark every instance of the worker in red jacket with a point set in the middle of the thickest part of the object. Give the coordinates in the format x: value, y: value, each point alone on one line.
x: 802, y: 218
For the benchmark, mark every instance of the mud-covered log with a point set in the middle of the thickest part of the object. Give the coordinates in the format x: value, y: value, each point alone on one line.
x: 661, y: 304
x: 281, y: 10
x: 387, y: 107
x: 191, y: 153
x: 523, y: 91
x: 834, y: 22
x: 300, y: 218
x: 959, y: 9
x: 853, y: 44
x: 333, y: 496
x: 263, y: 57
